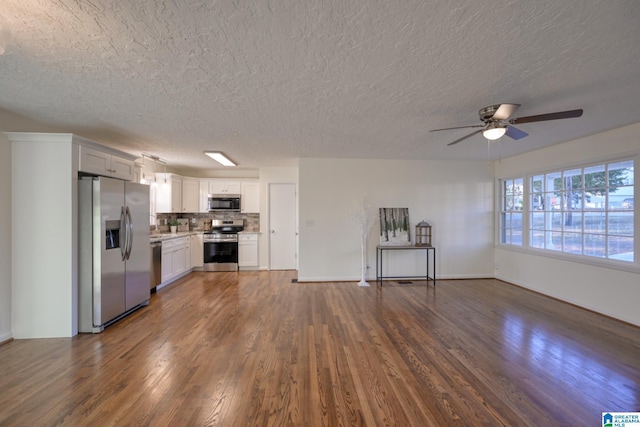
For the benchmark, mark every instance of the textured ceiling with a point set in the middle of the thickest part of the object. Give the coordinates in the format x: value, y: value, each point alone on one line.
x: 270, y: 81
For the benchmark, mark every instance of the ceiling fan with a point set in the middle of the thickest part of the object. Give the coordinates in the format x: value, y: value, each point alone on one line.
x: 497, y: 123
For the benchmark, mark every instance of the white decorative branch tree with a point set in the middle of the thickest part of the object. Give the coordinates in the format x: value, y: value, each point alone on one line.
x: 364, y: 217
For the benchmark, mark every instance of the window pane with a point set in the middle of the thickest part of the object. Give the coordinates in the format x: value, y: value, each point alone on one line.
x: 537, y: 221
x: 594, y: 178
x: 572, y: 243
x: 572, y: 221
x: 578, y: 200
x: 503, y: 219
x: 621, y: 173
x: 512, y: 207
x: 594, y: 245
x: 621, y: 198
x: 554, y: 181
x: 595, y: 222
x: 621, y: 223
x: 508, y: 202
x: 594, y: 201
x: 621, y: 248
x: 573, y: 180
x: 537, y: 192
x: 552, y: 201
x: 553, y: 221
x: 516, y: 228
x: 553, y: 241
x: 537, y: 239
x: 575, y: 197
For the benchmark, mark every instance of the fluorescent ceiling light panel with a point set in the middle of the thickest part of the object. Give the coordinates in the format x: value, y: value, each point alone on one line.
x: 220, y: 158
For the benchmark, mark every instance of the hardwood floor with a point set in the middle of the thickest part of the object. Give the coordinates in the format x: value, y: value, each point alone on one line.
x: 254, y: 349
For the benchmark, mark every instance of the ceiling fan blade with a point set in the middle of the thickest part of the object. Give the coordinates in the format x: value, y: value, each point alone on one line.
x: 550, y: 116
x: 515, y: 133
x: 459, y: 127
x: 505, y: 111
x: 465, y: 137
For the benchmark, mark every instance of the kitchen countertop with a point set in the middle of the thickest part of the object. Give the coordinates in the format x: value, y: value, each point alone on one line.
x: 159, y: 237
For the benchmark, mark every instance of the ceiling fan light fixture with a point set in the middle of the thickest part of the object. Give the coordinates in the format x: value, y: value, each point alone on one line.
x: 220, y: 158
x: 493, y: 132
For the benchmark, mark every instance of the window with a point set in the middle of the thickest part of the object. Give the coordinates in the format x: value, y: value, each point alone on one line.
x: 585, y: 211
x: 511, y: 211
x: 581, y: 211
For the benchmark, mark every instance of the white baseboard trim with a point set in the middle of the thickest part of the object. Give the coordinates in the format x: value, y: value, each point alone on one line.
x: 373, y: 279
x: 5, y: 337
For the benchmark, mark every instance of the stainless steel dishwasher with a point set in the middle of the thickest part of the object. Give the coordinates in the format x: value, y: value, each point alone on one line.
x: 156, y: 264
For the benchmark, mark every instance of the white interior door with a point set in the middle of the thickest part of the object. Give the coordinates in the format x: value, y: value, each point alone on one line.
x: 282, y: 227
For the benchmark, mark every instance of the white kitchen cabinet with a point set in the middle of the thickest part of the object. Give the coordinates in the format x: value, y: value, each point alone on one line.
x: 204, y: 194
x: 248, y: 250
x: 197, y: 251
x: 168, y: 193
x: 217, y: 186
x: 250, y: 196
x: 174, y: 259
x: 137, y: 174
x: 190, y: 194
x: 104, y: 164
x: 166, y: 267
x: 177, y: 194
x: 187, y: 253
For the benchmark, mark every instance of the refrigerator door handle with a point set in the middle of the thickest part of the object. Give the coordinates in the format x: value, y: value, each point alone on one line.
x: 123, y: 233
x: 129, y: 231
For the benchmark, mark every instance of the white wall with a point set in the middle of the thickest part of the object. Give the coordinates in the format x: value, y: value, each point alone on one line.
x: 609, y: 291
x: 456, y: 198
x: 5, y: 238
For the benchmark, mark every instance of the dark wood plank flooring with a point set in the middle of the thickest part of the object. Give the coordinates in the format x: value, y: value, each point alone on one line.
x: 255, y: 349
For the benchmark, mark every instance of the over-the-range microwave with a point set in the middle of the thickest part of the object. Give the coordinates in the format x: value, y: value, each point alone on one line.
x: 224, y: 203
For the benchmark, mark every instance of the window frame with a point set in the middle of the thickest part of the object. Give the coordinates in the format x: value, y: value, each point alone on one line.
x: 509, y: 211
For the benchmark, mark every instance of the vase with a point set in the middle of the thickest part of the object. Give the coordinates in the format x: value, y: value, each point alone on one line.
x: 174, y: 228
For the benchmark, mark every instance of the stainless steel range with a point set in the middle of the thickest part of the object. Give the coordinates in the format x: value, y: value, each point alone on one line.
x: 221, y: 245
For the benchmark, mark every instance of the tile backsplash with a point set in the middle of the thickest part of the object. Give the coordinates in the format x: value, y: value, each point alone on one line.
x: 251, y: 221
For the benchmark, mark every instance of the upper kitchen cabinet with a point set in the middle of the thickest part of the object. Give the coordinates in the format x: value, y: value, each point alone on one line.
x: 250, y: 196
x: 105, y: 164
x: 177, y: 194
x: 190, y: 194
x: 224, y: 187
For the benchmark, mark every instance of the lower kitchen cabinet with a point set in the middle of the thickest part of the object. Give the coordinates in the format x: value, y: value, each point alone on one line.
x: 174, y: 258
x: 197, y: 251
x: 248, y: 250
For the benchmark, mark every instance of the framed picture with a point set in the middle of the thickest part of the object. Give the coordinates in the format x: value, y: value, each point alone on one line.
x: 394, y: 227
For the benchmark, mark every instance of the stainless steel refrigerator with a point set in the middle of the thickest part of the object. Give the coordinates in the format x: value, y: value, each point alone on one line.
x: 114, y: 251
